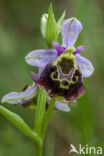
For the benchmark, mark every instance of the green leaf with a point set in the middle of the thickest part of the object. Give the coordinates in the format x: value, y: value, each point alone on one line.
x: 41, y: 103
x: 47, y: 117
x: 60, y: 21
x: 19, y: 123
x: 51, y: 28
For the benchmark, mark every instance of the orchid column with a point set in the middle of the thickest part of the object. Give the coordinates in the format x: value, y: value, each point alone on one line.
x: 59, y: 81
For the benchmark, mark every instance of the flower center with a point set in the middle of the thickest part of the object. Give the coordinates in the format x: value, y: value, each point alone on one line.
x: 66, y: 61
x: 66, y: 65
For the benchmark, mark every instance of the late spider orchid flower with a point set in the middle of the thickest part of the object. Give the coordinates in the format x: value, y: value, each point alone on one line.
x: 61, y: 70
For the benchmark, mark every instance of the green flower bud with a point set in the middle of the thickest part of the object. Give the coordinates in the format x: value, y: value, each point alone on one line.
x: 43, y: 24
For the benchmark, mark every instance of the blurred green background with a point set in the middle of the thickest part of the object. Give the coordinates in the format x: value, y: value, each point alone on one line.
x: 19, y: 34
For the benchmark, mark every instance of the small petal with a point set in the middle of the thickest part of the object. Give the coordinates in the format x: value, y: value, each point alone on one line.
x: 70, y: 31
x: 85, y: 66
x: 58, y: 48
x: 79, y: 49
x: 34, y: 76
x: 41, y: 57
x: 20, y: 98
x: 62, y: 106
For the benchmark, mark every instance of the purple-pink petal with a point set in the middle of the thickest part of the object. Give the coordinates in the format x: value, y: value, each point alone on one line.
x: 58, y: 48
x: 41, y: 57
x: 19, y: 98
x: 79, y: 49
x: 85, y: 65
x: 34, y: 76
x: 70, y: 31
x: 60, y: 105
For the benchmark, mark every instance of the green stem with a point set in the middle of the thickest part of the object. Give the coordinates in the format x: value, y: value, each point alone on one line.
x: 47, y: 117
x: 40, y: 111
x: 45, y: 122
x: 41, y: 102
x: 39, y: 150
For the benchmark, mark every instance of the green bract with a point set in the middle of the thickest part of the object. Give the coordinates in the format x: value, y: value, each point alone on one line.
x: 50, y: 29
